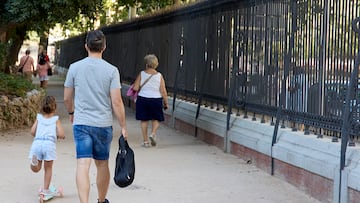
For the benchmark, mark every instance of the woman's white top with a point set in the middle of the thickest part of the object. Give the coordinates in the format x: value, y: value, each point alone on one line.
x: 152, y: 87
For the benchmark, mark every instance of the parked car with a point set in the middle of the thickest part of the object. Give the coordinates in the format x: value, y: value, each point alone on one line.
x: 335, y: 96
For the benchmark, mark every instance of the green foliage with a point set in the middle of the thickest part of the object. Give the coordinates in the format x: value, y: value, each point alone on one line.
x: 108, y: 12
x: 147, y: 6
x: 148, y: 3
x: 80, y: 15
x: 17, y: 17
x: 113, y: 12
x: 152, y: 5
x: 43, y: 15
x: 14, y: 85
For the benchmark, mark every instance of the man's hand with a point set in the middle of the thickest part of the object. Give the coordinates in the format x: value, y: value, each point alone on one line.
x: 124, y: 133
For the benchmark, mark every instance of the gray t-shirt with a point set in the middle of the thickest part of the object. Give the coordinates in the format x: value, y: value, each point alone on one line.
x: 92, y: 80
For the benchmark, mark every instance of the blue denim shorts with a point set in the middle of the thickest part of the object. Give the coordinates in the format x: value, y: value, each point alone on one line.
x: 92, y: 142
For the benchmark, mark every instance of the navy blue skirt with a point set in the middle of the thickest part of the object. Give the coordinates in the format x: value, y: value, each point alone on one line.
x: 149, y: 109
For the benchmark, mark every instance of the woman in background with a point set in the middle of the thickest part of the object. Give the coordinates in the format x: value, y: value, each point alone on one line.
x: 151, y: 100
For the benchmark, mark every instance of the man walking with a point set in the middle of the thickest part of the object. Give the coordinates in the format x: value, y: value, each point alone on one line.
x: 91, y: 94
x: 27, y: 65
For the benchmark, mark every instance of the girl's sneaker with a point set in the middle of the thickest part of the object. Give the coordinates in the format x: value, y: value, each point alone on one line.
x: 34, y: 160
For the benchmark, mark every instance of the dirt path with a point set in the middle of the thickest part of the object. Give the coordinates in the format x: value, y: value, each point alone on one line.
x: 179, y: 169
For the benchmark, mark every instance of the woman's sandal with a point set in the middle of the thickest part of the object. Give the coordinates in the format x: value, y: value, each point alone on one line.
x: 145, y: 144
x: 152, y: 140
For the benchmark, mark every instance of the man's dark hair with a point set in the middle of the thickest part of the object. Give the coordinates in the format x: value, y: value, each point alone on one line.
x: 95, y: 40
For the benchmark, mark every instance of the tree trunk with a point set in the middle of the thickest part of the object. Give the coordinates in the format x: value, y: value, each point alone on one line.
x: 11, y: 39
x: 177, y: 2
x: 44, y: 42
x: 132, y: 12
x: 3, y: 47
x: 2, y: 36
x: 14, y: 48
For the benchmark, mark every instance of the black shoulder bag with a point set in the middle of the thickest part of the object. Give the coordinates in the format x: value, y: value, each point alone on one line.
x: 22, y: 67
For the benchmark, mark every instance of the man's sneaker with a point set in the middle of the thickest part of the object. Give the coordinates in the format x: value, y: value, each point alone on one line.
x: 106, y: 201
x: 34, y: 160
x: 152, y: 140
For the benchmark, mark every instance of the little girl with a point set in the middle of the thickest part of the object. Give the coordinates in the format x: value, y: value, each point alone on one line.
x: 46, y: 129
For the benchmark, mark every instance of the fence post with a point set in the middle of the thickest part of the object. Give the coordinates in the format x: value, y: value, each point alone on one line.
x: 176, y: 88
x: 287, y: 66
x: 345, y: 129
x: 237, y: 47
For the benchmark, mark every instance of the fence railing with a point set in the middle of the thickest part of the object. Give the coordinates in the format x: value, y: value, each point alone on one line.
x: 283, y: 60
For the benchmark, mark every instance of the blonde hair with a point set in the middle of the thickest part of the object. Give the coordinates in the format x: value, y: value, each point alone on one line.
x: 151, y: 61
x: 48, y: 105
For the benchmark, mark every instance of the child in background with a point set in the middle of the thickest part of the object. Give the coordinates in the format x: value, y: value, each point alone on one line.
x: 46, y: 130
x: 42, y: 68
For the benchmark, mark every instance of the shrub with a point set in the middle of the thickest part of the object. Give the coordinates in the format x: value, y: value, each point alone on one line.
x: 13, y: 85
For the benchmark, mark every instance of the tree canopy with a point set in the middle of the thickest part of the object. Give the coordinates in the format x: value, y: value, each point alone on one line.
x: 17, y: 17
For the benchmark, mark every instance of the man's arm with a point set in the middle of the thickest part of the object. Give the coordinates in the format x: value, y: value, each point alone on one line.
x: 32, y: 65
x: 69, y: 101
x: 119, y: 109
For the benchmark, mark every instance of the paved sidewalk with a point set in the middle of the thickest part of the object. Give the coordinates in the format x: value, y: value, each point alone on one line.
x: 180, y: 169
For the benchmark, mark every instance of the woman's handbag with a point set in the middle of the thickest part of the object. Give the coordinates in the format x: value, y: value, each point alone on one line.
x: 49, y: 71
x: 132, y: 93
x: 125, y: 164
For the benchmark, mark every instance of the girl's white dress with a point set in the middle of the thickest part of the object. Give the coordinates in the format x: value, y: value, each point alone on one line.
x: 44, y: 144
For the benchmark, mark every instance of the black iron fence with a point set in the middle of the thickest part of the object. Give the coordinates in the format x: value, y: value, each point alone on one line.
x: 288, y: 61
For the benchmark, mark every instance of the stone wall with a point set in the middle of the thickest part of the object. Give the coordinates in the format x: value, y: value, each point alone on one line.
x: 20, y: 111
